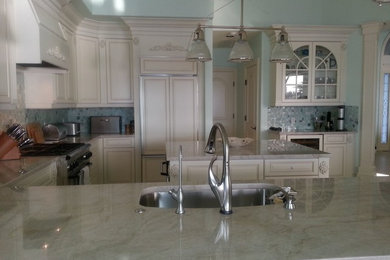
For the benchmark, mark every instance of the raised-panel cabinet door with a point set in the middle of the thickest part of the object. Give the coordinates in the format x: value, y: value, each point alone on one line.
x: 154, y: 114
x: 119, y: 71
x: 337, y: 159
x: 119, y: 165
x: 151, y: 169
x: 183, y: 109
x: 88, y: 70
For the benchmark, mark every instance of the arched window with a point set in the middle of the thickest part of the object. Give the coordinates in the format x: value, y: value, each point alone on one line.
x: 383, y: 140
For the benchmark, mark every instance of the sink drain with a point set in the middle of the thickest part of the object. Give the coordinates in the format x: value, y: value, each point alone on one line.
x: 140, y: 210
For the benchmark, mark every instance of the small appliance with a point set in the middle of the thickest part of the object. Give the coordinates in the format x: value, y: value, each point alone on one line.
x: 54, y: 132
x: 72, y: 128
x: 340, y: 118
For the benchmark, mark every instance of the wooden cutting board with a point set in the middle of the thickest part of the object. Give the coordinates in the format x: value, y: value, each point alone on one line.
x: 34, y: 131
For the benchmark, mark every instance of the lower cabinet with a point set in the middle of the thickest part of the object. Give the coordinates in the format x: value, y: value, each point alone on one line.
x: 112, y: 160
x: 96, y: 167
x: 297, y: 168
x: 340, y: 147
x: 45, y: 175
x: 118, y: 160
x: 196, y: 172
x: 152, y: 168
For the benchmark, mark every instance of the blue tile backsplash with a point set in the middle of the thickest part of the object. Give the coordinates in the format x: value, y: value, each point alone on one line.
x: 80, y: 115
x: 302, y: 118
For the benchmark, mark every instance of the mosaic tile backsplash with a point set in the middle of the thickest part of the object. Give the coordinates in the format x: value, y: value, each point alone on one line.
x: 80, y: 115
x: 302, y: 118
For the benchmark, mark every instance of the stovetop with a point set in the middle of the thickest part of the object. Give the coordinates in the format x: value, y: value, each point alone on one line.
x: 52, y: 149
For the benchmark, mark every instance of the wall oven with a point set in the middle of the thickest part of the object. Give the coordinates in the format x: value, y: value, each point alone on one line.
x: 315, y: 141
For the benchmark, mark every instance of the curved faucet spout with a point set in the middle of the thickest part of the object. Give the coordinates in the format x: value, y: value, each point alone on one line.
x: 222, y: 189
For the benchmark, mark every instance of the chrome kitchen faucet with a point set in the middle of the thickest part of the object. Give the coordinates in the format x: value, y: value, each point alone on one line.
x: 221, y: 189
x: 178, y: 194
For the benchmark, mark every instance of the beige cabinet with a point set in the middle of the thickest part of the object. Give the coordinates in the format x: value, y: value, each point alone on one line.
x: 340, y: 147
x: 118, y: 159
x: 45, y: 175
x: 103, y: 71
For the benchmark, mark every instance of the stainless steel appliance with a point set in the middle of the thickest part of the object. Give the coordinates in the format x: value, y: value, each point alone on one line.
x: 54, y: 132
x: 312, y: 141
x: 73, y: 163
x: 106, y: 124
x: 340, y: 118
x: 72, y: 128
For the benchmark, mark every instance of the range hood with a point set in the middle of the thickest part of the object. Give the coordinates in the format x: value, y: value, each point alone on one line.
x: 39, y: 36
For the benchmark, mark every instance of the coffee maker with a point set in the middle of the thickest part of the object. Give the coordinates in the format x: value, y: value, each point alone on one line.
x: 340, y: 118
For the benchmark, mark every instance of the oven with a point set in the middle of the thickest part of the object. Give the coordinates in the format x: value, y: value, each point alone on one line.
x: 315, y: 141
x: 73, y: 160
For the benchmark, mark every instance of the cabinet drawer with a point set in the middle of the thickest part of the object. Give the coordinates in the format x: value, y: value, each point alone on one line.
x: 119, y: 142
x: 291, y: 168
x: 342, y: 138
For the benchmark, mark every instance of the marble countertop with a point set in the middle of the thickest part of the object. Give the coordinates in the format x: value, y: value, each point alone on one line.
x: 10, y: 170
x: 264, y: 149
x: 345, y: 217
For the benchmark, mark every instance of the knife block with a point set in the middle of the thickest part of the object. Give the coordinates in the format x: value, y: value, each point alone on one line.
x: 9, y: 149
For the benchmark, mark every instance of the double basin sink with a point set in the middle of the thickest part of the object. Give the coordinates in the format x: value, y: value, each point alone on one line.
x: 201, y: 196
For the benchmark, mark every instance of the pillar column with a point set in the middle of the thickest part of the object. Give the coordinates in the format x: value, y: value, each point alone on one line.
x: 369, y: 103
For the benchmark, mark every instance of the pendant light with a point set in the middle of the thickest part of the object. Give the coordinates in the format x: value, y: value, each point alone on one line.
x: 198, y: 50
x: 241, y: 51
x: 282, y: 51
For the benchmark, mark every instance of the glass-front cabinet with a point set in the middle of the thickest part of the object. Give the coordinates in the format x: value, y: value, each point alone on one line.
x: 314, y: 77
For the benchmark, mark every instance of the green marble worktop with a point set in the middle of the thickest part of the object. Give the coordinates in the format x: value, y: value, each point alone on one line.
x: 344, y: 217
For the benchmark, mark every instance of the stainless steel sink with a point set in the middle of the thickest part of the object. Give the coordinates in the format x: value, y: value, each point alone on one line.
x: 201, y: 196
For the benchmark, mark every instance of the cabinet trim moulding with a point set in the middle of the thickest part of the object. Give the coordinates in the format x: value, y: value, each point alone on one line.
x: 157, y: 26
x: 319, y: 32
x: 106, y: 29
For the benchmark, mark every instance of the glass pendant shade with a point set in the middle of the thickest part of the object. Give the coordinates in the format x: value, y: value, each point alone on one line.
x: 282, y: 51
x: 198, y: 50
x: 241, y: 51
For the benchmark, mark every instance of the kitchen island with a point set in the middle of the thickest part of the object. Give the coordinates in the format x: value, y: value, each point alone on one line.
x: 344, y: 217
x: 255, y: 161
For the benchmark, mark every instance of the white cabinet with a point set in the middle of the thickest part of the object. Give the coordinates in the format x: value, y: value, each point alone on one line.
x: 45, y: 175
x: 296, y: 168
x: 169, y: 111
x: 315, y: 77
x: 196, y: 172
x: 88, y: 70
x: 340, y: 147
x: 47, y: 88
x: 118, y: 159
x: 152, y: 166
x: 96, y: 167
x: 103, y: 71
x: 7, y: 67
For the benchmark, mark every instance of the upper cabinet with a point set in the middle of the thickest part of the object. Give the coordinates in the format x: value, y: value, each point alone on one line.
x: 317, y: 75
x: 103, y: 71
x: 7, y: 71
